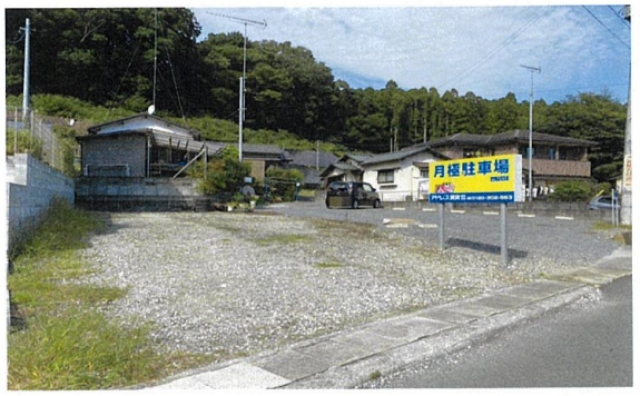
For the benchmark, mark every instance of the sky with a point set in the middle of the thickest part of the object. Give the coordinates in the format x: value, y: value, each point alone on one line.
x: 577, y: 47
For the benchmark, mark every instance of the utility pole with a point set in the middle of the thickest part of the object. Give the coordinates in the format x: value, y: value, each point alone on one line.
x: 530, y: 154
x: 625, y: 196
x: 25, y: 81
x: 243, y: 79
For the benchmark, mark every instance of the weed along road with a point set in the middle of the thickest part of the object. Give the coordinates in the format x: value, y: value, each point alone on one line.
x: 235, y: 285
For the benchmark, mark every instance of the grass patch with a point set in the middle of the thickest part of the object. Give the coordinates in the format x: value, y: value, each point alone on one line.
x: 606, y: 226
x: 284, y: 239
x: 59, y: 339
x: 329, y: 265
x: 347, y: 229
x: 307, y: 193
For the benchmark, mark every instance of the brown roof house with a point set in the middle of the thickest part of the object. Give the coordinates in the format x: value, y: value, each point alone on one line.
x: 554, y: 158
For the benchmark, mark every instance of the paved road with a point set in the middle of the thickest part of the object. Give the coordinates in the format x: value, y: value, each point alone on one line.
x: 585, y: 345
x: 539, y: 238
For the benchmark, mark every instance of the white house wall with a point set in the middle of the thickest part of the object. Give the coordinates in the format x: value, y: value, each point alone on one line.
x: 406, y: 178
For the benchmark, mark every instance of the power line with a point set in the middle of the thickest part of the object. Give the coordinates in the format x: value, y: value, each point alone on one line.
x: 620, y: 17
x: 491, y: 54
x: 606, y: 27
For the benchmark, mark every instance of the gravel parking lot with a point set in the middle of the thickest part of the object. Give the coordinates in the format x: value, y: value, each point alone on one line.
x: 238, y: 283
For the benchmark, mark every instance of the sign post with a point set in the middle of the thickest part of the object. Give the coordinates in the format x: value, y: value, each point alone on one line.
x: 441, y: 227
x: 486, y: 180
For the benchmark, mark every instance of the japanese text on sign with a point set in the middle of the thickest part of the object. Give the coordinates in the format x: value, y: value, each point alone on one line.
x: 485, y: 179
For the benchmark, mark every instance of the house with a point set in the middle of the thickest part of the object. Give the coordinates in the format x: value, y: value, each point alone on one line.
x: 401, y: 175
x: 142, y: 145
x: 347, y: 168
x: 310, y: 162
x: 262, y: 157
x: 554, y: 159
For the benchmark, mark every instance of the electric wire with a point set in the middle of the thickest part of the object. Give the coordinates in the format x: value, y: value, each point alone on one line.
x: 175, y: 84
x: 606, y: 27
x: 512, y: 37
x: 620, y: 17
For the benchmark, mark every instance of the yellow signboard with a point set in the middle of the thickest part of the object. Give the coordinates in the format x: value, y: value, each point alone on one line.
x: 496, y: 179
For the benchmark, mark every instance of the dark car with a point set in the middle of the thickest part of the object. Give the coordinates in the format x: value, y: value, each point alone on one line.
x: 352, y: 195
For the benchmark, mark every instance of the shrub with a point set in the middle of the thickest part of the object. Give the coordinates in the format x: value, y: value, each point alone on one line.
x: 225, y: 174
x: 571, y: 191
x: 282, y: 183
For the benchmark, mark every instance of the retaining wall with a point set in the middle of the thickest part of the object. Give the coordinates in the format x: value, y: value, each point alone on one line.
x: 31, y: 186
x: 139, y: 193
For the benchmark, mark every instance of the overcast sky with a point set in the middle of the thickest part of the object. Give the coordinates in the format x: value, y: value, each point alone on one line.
x: 579, y: 48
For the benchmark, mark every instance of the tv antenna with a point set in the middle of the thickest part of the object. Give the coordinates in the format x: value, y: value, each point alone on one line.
x: 530, y: 153
x: 242, y: 107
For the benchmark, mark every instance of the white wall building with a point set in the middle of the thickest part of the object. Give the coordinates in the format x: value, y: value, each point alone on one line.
x: 401, y: 175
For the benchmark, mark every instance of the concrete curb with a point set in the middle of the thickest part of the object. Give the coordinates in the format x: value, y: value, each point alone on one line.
x: 353, y: 357
x: 449, y: 341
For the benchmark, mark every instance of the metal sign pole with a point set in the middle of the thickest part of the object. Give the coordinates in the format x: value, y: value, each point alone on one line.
x: 504, y: 250
x: 441, y: 228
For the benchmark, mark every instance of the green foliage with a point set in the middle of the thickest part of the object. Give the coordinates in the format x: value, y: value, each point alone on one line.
x: 603, y: 188
x: 24, y: 142
x: 65, y: 343
x: 225, y: 174
x: 282, y: 183
x: 67, y: 146
x: 571, y: 191
x: 105, y: 57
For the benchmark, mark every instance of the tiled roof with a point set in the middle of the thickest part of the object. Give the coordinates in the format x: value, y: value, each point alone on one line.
x: 308, y: 158
x: 518, y: 135
x: 402, y: 154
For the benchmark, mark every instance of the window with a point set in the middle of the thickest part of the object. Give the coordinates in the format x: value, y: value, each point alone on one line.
x: 424, y: 173
x: 385, y: 176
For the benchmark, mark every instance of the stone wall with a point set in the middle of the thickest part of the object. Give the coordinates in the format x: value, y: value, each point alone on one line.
x: 31, y: 186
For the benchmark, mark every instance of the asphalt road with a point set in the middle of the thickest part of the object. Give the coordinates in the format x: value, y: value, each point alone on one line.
x: 572, y: 242
x: 588, y: 344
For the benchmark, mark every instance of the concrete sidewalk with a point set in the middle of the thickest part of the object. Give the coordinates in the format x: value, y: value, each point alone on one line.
x: 349, y: 358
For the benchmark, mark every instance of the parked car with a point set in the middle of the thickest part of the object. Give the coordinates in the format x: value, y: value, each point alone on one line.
x: 603, y: 202
x: 352, y: 195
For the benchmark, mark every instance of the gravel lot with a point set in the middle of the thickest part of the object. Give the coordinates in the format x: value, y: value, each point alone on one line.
x: 238, y: 283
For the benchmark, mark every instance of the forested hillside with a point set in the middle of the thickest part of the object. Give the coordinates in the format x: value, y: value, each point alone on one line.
x: 106, y: 57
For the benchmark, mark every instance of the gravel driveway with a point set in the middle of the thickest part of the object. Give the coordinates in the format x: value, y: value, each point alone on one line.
x: 238, y: 283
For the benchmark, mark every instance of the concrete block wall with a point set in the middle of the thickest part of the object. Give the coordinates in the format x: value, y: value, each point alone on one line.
x: 139, y: 194
x: 31, y: 186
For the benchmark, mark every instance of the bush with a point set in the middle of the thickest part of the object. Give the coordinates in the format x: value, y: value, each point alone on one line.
x: 282, y: 183
x: 571, y: 191
x: 225, y: 174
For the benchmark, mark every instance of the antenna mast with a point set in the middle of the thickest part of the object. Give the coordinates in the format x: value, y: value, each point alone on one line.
x: 530, y: 154
x: 242, y: 89
x: 155, y: 60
